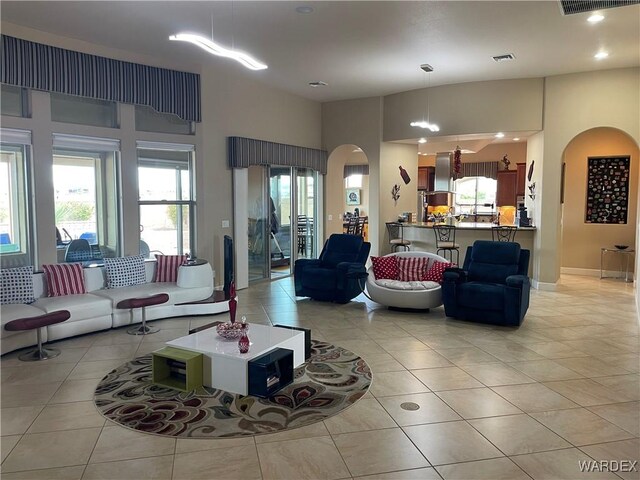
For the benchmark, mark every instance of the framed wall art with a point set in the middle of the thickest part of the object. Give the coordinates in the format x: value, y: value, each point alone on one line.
x: 353, y: 196
x: 607, y: 189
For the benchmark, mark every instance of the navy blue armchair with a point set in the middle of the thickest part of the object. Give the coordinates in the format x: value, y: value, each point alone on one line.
x: 337, y: 274
x: 492, y: 286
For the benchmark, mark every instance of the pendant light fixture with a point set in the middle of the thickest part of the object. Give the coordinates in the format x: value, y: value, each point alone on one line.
x: 215, y: 49
x: 426, y: 124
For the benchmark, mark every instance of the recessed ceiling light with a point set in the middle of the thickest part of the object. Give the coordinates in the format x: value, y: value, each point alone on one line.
x: 595, y: 18
x: 304, y: 9
x: 318, y: 83
x: 422, y: 140
x: 499, y: 135
x: 516, y: 139
x: 601, y: 55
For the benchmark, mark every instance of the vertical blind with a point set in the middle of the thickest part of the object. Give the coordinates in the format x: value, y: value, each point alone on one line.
x: 243, y: 152
x: 43, y: 67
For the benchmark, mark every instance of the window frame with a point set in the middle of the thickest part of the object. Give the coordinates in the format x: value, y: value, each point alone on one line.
x: 24, y: 172
x: 474, y: 206
x: 178, y: 202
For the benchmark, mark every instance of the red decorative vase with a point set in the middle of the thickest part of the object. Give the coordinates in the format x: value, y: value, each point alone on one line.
x: 233, y: 303
x: 243, y: 343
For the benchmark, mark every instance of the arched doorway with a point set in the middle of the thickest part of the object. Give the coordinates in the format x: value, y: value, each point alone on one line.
x: 581, y: 236
x: 347, y: 173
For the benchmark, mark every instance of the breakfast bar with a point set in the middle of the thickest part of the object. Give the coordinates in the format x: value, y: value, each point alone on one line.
x: 423, y: 238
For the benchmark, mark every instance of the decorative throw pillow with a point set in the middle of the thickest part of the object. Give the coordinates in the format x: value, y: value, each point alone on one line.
x: 436, y: 272
x: 64, y: 279
x: 412, y: 269
x: 16, y: 285
x: 125, y: 271
x: 385, y: 267
x: 167, y: 267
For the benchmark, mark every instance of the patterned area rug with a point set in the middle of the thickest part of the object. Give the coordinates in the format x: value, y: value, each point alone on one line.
x: 333, y: 379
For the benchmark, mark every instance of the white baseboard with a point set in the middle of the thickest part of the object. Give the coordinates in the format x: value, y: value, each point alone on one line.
x: 592, y: 272
x: 547, y: 286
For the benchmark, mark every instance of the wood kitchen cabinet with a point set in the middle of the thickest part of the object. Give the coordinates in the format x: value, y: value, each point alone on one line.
x: 521, y: 178
x: 423, y: 178
x: 507, y: 188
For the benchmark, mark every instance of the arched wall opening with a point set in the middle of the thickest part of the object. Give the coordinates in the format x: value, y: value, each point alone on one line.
x: 581, y: 241
x: 335, y: 190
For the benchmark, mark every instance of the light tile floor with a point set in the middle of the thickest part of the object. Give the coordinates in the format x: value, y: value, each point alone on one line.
x: 495, y: 403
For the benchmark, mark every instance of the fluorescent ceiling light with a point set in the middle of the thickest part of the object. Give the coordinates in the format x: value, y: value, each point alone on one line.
x: 215, y: 49
x: 595, y: 18
x: 499, y: 135
x: 601, y: 55
x: 422, y: 140
x: 430, y: 126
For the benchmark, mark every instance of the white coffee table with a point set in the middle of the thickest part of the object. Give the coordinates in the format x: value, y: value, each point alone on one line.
x: 224, y: 367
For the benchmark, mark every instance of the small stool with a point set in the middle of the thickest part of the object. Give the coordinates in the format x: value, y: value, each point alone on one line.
x: 38, y: 322
x: 143, y: 302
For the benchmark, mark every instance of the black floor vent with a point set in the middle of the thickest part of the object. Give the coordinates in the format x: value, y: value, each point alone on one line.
x: 569, y: 7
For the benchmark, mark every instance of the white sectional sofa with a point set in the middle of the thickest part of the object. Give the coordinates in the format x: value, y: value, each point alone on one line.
x: 97, y: 309
x: 397, y: 294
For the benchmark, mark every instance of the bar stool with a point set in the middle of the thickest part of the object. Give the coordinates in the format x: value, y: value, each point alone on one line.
x: 503, y: 233
x: 446, y: 241
x: 143, y: 303
x: 39, y: 322
x: 396, y: 236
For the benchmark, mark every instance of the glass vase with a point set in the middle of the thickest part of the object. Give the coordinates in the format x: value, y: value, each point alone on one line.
x: 243, y: 342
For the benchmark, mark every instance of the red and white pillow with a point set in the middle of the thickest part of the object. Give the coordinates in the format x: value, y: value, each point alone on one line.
x: 436, y: 272
x: 412, y: 269
x: 385, y: 267
x: 64, y: 279
x: 167, y: 267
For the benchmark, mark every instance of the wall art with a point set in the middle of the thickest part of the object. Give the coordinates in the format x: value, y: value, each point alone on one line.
x: 607, y: 189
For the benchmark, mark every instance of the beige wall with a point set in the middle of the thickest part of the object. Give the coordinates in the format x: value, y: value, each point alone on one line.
x: 581, y: 241
x: 392, y: 156
x: 478, y: 107
x: 353, y: 122
x: 575, y: 103
x: 535, y: 151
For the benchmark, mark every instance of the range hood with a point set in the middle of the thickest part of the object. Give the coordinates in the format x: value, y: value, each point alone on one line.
x: 443, y: 174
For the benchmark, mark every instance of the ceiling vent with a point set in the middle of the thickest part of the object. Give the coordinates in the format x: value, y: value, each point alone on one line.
x: 318, y: 84
x: 426, y: 67
x: 569, y: 7
x: 507, y: 57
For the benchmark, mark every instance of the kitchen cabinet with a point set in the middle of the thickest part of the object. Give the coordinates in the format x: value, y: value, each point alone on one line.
x: 507, y: 188
x: 423, y: 178
x: 521, y: 178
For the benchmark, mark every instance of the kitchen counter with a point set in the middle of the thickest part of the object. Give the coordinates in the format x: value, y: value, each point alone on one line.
x: 423, y: 239
x: 463, y: 225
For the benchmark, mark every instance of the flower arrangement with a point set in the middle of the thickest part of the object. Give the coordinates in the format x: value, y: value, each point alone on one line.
x: 457, y: 161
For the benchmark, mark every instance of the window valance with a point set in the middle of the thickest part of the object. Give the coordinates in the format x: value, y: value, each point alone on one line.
x: 479, y: 169
x: 356, y: 170
x: 43, y: 67
x: 243, y: 152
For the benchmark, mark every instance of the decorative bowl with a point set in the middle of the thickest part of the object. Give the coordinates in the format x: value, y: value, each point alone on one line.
x: 621, y: 247
x: 230, y: 331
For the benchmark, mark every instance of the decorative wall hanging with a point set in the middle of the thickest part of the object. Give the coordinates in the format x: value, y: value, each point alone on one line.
x: 353, y: 196
x: 405, y: 175
x: 607, y: 189
x: 457, y: 162
x: 532, y: 186
x: 395, y: 193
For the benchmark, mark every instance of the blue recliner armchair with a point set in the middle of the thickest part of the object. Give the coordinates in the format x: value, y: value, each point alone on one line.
x: 335, y: 276
x: 492, y: 287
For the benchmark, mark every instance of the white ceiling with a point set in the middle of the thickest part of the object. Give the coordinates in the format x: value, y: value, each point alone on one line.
x: 360, y: 49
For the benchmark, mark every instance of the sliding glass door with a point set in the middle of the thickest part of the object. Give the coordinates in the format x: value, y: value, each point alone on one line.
x: 281, y: 219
